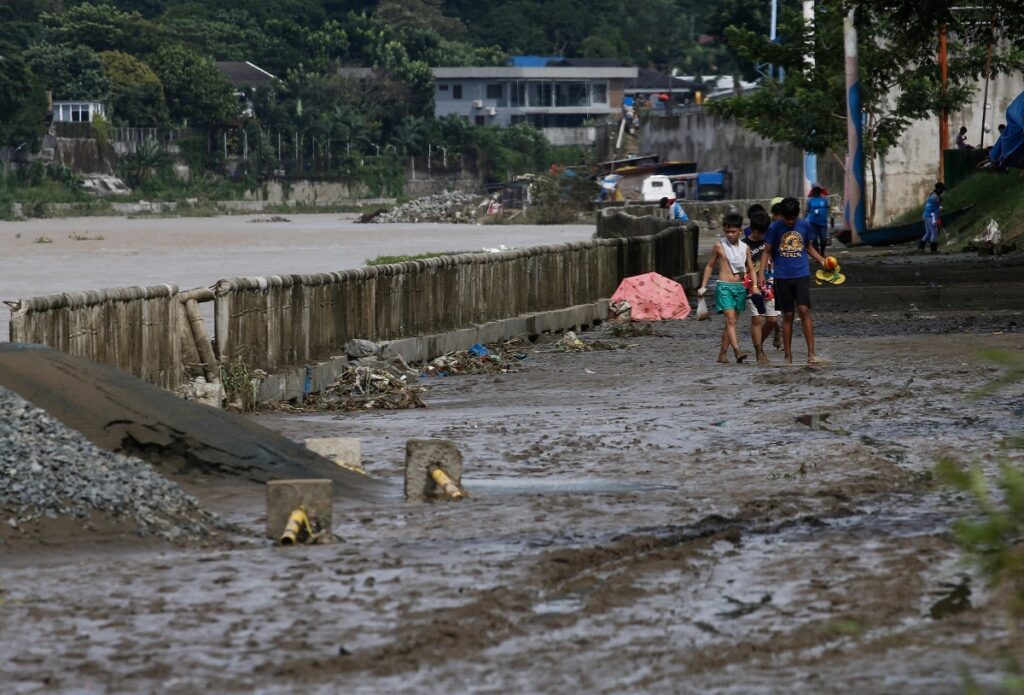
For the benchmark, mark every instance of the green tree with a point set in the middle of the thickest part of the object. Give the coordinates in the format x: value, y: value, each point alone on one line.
x: 22, y: 101
x: 136, y: 94
x: 196, y: 91
x: 101, y: 27
x: 899, y: 82
x: 69, y: 72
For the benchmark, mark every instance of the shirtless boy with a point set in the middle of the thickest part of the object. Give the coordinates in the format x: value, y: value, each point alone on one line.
x: 734, y: 264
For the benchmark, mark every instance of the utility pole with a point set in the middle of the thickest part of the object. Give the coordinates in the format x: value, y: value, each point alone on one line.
x: 943, y: 115
x: 853, y: 210
x: 810, y: 159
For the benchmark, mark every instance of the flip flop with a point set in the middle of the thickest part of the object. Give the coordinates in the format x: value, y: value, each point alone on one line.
x: 831, y: 277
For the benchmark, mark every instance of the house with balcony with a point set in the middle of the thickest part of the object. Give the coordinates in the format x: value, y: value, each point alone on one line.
x: 562, y: 101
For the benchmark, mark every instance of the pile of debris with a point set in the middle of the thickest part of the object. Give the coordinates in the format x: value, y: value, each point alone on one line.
x: 369, y: 382
x: 500, y: 358
x: 455, y: 207
x: 49, y: 472
x: 379, y: 386
x: 570, y: 342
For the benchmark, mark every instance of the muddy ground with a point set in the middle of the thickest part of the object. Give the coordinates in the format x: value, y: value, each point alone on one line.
x: 640, y: 520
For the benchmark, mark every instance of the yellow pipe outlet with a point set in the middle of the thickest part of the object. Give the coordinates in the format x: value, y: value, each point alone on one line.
x: 446, y: 483
x: 297, y: 528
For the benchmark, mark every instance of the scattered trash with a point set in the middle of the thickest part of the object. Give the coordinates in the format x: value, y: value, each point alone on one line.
x: 570, y: 342
x: 478, y: 359
x: 990, y: 241
x: 382, y: 385
x: 357, y: 348
x: 272, y: 218
x: 702, y: 310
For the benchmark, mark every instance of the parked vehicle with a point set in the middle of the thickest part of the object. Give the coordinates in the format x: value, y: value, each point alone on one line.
x: 656, y: 187
x: 705, y: 185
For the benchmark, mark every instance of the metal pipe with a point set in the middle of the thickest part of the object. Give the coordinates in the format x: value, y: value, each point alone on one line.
x: 297, y: 528
x: 446, y: 483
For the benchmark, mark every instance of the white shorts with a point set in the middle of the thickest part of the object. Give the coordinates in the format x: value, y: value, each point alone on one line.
x: 769, y: 308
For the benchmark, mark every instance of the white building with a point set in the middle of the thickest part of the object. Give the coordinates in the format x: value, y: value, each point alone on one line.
x: 558, y: 100
x: 77, y: 111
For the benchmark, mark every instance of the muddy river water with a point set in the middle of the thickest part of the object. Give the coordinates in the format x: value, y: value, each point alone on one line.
x: 640, y: 520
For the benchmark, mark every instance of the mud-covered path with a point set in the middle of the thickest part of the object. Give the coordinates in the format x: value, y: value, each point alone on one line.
x: 641, y: 520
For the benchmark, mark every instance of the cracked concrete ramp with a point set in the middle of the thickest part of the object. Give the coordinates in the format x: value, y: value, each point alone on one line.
x: 121, y: 413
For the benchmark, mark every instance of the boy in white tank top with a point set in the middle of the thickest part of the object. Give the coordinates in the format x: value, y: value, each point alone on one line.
x: 734, y: 264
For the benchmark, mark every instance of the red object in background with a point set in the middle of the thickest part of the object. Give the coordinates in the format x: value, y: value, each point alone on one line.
x: 663, y: 97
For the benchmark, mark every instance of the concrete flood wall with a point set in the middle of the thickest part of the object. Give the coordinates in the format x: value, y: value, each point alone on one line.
x: 282, y: 321
x: 133, y: 328
x: 294, y: 327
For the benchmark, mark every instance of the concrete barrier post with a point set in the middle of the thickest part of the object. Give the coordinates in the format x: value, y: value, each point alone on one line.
x: 313, y: 496
x: 422, y: 457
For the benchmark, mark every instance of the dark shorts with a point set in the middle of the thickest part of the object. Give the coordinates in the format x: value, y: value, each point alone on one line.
x: 792, y: 292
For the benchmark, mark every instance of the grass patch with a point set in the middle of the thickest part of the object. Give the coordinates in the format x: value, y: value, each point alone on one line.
x: 388, y: 260
x: 994, y: 196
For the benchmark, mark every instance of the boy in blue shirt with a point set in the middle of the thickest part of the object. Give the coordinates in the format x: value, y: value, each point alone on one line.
x: 789, y: 245
x: 817, y: 216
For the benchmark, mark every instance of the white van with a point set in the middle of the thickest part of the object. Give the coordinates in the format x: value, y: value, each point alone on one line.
x: 656, y: 187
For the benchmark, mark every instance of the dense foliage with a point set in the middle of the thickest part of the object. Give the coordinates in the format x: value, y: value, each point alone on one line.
x: 151, y: 61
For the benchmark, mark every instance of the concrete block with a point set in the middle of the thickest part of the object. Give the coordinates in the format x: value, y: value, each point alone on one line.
x: 489, y: 332
x: 271, y: 389
x: 412, y: 350
x: 285, y: 496
x: 347, y: 452
x: 421, y: 455
x: 462, y: 338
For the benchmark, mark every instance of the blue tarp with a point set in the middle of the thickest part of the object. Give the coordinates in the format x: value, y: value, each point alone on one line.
x: 1009, y: 148
x: 530, y: 61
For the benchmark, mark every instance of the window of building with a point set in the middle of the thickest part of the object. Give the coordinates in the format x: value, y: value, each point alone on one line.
x: 540, y: 94
x: 496, y: 92
x: 480, y: 120
x: 456, y: 91
x: 571, y: 94
x: 517, y: 118
x: 599, y: 92
x: 517, y: 93
x: 442, y: 88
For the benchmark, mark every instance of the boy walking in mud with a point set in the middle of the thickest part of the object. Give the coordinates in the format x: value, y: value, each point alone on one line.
x: 789, y: 243
x: 734, y: 264
x: 763, y: 315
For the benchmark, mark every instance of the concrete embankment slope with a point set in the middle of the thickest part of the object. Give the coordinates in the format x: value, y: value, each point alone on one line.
x: 181, y: 439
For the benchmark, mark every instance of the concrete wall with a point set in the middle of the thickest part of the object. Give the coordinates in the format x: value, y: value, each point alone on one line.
x: 763, y: 169
x: 282, y: 323
x: 278, y: 322
x: 910, y: 171
x: 760, y: 168
x: 133, y: 328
